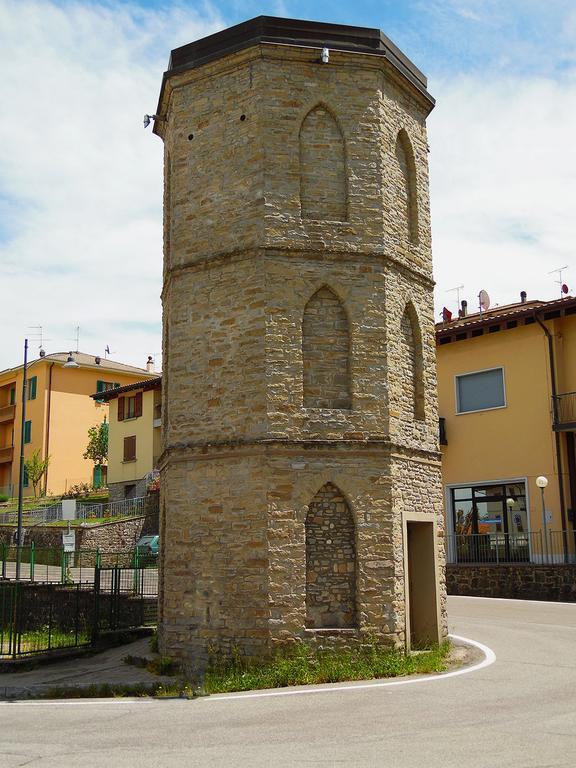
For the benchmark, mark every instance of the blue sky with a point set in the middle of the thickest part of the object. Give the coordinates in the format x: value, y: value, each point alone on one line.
x: 81, y: 181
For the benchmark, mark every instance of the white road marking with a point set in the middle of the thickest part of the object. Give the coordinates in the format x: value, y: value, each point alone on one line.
x: 489, y: 658
x: 512, y: 600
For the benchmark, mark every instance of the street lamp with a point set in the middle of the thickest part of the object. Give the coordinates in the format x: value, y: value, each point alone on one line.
x: 542, y: 482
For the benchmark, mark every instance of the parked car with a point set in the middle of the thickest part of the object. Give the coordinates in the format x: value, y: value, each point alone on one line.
x: 146, y: 551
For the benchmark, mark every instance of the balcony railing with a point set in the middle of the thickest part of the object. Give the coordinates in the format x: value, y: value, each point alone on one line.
x: 564, y: 410
x: 522, y: 548
x: 7, y: 413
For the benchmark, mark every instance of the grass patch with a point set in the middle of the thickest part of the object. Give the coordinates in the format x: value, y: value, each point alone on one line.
x: 305, y: 664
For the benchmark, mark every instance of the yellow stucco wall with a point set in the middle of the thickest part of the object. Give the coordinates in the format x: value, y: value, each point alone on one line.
x: 120, y: 471
x: 64, y: 436
x: 517, y: 441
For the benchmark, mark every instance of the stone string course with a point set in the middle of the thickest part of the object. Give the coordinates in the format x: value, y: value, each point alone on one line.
x: 248, y: 442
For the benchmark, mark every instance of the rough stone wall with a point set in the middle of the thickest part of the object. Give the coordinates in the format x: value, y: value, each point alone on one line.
x: 330, y: 561
x: 107, y: 537
x: 322, y: 167
x: 243, y: 465
x: 524, y: 582
x: 116, y: 491
x: 325, y: 352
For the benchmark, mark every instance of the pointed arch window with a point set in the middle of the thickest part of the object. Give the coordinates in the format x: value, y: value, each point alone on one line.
x: 326, y: 352
x: 322, y: 167
x: 330, y: 561
x: 408, y: 193
x: 412, y: 366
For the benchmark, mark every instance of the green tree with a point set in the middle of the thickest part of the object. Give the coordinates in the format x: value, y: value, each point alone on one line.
x: 97, y: 448
x: 36, y: 468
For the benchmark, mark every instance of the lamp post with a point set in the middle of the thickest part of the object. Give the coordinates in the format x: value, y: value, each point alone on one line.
x: 542, y: 482
x: 21, y: 472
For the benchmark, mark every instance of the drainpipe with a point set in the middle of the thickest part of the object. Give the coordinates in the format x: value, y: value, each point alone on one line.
x: 48, y: 404
x: 550, y: 339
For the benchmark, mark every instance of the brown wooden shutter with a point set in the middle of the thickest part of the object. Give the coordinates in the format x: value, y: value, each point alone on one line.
x: 120, y: 409
x: 138, y: 404
x: 130, y: 448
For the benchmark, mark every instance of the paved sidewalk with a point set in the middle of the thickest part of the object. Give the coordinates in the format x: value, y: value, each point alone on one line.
x: 101, y: 668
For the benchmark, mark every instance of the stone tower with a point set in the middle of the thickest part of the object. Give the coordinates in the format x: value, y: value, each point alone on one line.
x: 301, y: 493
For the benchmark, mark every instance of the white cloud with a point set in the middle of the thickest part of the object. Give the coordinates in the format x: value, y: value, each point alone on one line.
x: 80, y: 180
x: 503, y: 181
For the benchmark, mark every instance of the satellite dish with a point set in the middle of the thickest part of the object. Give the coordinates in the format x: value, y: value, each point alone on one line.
x: 564, y: 288
x: 446, y: 315
x: 484, y: 300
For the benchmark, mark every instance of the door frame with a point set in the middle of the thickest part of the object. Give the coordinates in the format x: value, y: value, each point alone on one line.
x: 430, y: 518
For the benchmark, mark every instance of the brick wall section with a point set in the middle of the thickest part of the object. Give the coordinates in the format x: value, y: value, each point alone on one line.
x: 322, y: 167
x: 241, y: 468
x: 330, y: 561
x: 326, y: 352
x: 526, y: 582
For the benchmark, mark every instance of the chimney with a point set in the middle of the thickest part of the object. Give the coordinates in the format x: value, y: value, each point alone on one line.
x: 150, y: 364
x: 464, y: 308
x: 523, y: 295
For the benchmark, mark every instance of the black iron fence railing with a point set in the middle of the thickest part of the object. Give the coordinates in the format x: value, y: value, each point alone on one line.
x: 41, y: 618
x: 535, y: 548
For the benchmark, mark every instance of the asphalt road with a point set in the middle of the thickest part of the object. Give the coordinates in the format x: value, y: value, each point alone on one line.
x: 520, y: 711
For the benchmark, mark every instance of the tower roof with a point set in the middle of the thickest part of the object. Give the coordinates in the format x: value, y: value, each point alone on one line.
x: 295, y: 32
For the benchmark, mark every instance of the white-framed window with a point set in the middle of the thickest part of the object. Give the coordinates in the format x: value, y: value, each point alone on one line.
x: 480, y: 390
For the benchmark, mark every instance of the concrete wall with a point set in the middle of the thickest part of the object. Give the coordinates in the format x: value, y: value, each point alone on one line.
x: 527, y: 582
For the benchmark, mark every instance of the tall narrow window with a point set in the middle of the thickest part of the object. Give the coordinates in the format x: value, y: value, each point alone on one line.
x: 411, y: 366
x: 32, y: 386
x: 27, y: 431
x: 322, y: 167
x: 326, y: 352
x: 330, y: 561
x: 407, y: 198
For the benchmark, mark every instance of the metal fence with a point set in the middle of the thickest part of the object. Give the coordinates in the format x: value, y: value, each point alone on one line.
x: 54, y: 565
x: 50, y: 513
x: 124, y: 508
x: 39, y: 618
x: 530, y: 548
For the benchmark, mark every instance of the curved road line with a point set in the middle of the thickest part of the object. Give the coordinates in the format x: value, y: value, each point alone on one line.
x: 489, y: 658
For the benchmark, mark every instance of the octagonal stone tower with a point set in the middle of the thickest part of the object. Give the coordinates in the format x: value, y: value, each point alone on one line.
x: 301, y: 493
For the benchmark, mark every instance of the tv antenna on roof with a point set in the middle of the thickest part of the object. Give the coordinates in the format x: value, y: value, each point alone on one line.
x: 39, y: 337
x: 458, y: 288
x: 563, y: 287
x: 484, y: 301
x: 76, y: 338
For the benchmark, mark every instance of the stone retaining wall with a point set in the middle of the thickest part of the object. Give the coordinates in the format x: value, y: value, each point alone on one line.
x: 526, y: 582
x: 115, y: 536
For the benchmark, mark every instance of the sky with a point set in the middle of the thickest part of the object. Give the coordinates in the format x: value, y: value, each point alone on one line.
x: 81, y: 180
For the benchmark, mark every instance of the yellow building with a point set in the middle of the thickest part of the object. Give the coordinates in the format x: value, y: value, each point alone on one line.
x: 134, y: 444
x: 58, y: 416
x: 507, y: 402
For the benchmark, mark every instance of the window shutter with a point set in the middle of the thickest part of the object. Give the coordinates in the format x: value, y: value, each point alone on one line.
x: 32, y: 388
x: 13, y: 396
x: 25, y: 480
x: 99, y: 386
x: 130, y: 448
x: 138, y: 404
x: 27, y: 431
x: 120, y: 409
